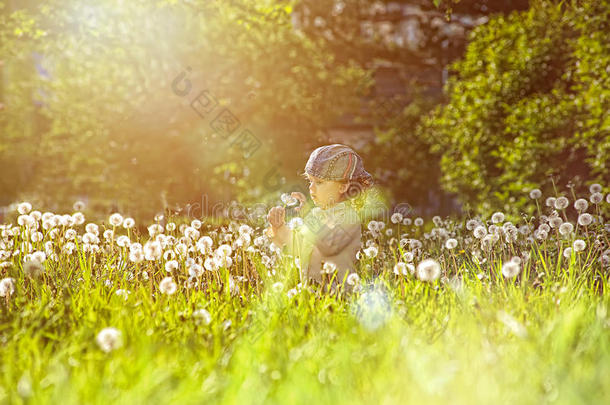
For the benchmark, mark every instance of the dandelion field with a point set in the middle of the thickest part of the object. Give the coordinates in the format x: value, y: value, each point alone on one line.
x: 474, y: 311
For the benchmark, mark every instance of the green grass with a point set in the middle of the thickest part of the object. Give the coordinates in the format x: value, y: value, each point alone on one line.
x: 476, y: 338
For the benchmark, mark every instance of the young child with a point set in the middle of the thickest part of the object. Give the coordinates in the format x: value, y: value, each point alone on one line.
x: 330, y: 236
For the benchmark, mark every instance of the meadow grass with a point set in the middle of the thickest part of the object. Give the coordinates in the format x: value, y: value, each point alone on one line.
x: 469, y: 336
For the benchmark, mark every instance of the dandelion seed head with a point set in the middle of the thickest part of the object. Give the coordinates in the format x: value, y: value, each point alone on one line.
x: 535, y: 194
x: 428, y: 270
x: 115, y: 219
x: 581, y: 205
x: 24, y: 208
x: 497, y: 217
x: 167, y: 286
x: 451, y: 243
x: 109, y: 339
x: 585, y: 219
x: 596, y: 198
x: 579, y: 245
x: 510, y: 269
x: 566, y: 228
x: 7, y: 287
x: 561, y: 203
x: 396, y: 218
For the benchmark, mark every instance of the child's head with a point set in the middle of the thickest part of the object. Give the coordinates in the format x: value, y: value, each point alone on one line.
x: 335, y: 173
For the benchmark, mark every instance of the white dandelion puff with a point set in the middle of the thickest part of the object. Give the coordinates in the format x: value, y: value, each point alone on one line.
x: 510, y: 269
x: 561, y: 203
x: 371, y: 251
x: 497, y: 217
x: 195, y: 270
x: 396, y: 217
x: 203, y: 316
x: 167, y: 286
x: 567, y: 252
x: 596, y: 198
x: 595, y: 188
x: 115, y: 219
x: 428, y: 270
x: 152, y: 250
x: 171, y: 265
x: 581, y: 205
x: 353, y: 279
x: 535, y: 194
x: 585, y: 219
x: 7, y: 286
x: 579, y: 245
x: 418, y: 221
x: 24, y: 208
x: 329, y: 268
x: 550, y: 202
x: 109, y: 339
x: 129, y: 223
x: 566, y: 228
x: 480, y: 232
x: 451, y: 244
x: 400, y: 269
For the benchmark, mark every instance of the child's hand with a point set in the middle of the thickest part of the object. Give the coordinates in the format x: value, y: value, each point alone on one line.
x: 276, y: 217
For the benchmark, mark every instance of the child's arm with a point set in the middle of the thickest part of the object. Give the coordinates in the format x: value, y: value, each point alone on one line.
x: 280, y: 236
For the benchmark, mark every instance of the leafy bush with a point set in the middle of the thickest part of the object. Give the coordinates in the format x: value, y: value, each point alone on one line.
x: 527, y: 106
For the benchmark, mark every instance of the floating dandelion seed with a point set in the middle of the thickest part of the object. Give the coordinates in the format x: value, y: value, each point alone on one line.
x: 428, y: 270
x: 510, y: 269
x: 109, y: 339
x: 167, y: 286
x: 535, y: 194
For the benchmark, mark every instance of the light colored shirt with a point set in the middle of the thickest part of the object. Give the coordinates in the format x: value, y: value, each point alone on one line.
x: 332, y: 235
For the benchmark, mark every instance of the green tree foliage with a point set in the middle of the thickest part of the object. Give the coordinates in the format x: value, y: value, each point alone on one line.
x: 528, y: 105
x: 112, y: 120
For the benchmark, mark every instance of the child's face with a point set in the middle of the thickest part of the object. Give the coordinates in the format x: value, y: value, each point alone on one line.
x: 325, y: 193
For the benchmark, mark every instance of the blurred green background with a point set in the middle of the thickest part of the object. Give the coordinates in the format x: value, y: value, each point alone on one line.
x: 141, y: 106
